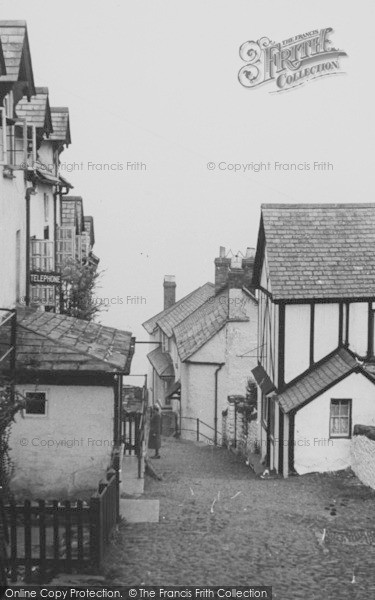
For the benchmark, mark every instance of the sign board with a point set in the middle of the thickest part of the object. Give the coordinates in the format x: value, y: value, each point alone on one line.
x: 40, y: 278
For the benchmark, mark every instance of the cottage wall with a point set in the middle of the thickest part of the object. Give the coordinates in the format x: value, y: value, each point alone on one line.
x: 65, y: 453
x: 313, y: 448
x: 12, y: 219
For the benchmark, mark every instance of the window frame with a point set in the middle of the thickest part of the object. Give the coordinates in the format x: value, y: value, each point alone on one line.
x: 46, y: 402
x: 347, y: 436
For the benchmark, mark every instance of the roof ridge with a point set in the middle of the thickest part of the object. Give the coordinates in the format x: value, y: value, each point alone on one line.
x: 178, y: 303
x: 318, y: 205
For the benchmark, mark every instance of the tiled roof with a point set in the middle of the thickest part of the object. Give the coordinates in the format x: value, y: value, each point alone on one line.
x: 12, y: 37
x: 162, y: 363
x: 53, y: 342
x: 169, y: 318
x: 37, y: 111
x: 60, y: 124
x: 201, y: 325
x: 326, y: 373
x: 319, y: 250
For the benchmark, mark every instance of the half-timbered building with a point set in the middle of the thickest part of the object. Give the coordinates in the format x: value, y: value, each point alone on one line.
x: 315, y: 275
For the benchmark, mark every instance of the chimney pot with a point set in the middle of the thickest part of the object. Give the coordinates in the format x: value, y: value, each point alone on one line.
x: 222, y: 252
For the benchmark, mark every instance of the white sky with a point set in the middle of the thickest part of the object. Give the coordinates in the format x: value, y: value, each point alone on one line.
x: 156, y: 81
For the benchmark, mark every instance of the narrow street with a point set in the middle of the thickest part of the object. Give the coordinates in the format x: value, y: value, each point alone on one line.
x: 222, y: 525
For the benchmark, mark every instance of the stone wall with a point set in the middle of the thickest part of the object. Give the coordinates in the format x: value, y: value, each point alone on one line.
x: 363, y: 454
x: 239, y: 433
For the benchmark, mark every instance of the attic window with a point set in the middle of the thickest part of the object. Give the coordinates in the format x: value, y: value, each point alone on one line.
x: 36, y: 404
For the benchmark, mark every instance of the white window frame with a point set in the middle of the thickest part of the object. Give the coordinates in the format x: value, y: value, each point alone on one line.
x: 346, y: 436
x: 44, y: 391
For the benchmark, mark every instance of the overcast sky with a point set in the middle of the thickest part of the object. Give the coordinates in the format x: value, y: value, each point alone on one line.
x: 155, y: 82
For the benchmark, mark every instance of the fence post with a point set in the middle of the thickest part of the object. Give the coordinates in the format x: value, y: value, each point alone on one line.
x: 197, y: 430
x: 95, y: 528
x: 116, y: 467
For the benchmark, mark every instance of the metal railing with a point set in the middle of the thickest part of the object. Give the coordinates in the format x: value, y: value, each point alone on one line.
x: 198, y: 431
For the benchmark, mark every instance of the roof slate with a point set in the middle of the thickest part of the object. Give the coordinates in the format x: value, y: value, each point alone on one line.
x: 201, y: 325
x: 12, y: 37
x: 313, y: 383
x: 54, y: 342
x: 169, y: 318
x: 37, y: 111
x: 319, y: 250
x: 60, y: 124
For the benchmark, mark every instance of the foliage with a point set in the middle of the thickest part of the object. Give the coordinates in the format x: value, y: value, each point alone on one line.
x: 251, y: 400
x: 79, y: 283
x: 10, y: 404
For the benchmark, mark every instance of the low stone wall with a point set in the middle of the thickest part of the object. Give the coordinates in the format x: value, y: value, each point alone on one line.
x: 363, y: 454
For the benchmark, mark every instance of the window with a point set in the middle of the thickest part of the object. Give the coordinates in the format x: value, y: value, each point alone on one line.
x: 36, y: 404
x: 65, y: 247
x: 41, y: 258
x: 340, y: 418
x: 46, y: 232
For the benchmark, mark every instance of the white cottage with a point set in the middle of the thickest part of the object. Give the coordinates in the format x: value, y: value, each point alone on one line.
x: 206, y: 346
x: 315, y: 272
x: 69, y: 372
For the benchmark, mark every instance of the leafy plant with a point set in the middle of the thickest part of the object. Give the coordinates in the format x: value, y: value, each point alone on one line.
x: 79, y: 283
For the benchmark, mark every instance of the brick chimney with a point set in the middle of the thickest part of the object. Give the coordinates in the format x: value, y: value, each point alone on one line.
x: 222, y: 265
x: 169, y: 291
x: 235, y: 272
x: 248, y: 267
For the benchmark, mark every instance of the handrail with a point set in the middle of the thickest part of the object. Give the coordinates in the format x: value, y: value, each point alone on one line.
x: 200, y: 420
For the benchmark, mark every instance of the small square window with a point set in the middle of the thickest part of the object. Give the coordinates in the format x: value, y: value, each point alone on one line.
x: 340, y: 418
x: 36, y: 403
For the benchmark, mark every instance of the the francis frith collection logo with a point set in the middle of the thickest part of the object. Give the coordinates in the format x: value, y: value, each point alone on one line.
x: 289, y: 63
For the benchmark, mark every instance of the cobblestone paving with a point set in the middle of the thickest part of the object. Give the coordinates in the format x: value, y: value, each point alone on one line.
x: 222, y: 525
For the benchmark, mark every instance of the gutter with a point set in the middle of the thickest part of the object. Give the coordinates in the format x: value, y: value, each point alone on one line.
x: 219, y: 367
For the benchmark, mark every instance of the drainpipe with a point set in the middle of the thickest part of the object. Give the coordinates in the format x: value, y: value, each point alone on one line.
x: 219, y: 367
x: 30, y: 191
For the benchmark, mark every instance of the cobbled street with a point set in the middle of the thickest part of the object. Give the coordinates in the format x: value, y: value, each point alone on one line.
x: 220, y: 524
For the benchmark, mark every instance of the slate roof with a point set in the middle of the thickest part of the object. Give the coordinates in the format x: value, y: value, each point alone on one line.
x: 318, y: 250
x: 60, y: 124
x: 13, y: 36
x: 169, y: 318
x: 16, y: 53
x: 202, y: 324
x: 325, y: 374
x: 53, y: 342
x: 162, y: 363
x: 37, y: 111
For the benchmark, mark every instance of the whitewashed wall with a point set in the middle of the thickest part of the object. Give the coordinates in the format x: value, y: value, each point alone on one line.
x: 314, y: 451
x: 326, y: 329
x: 358, y: 327
x: 12, y: 218
x: 297, y: 340
x: 66, y: 453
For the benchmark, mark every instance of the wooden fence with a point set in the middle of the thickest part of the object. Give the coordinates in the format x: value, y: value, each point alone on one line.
x: 51, y: 537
